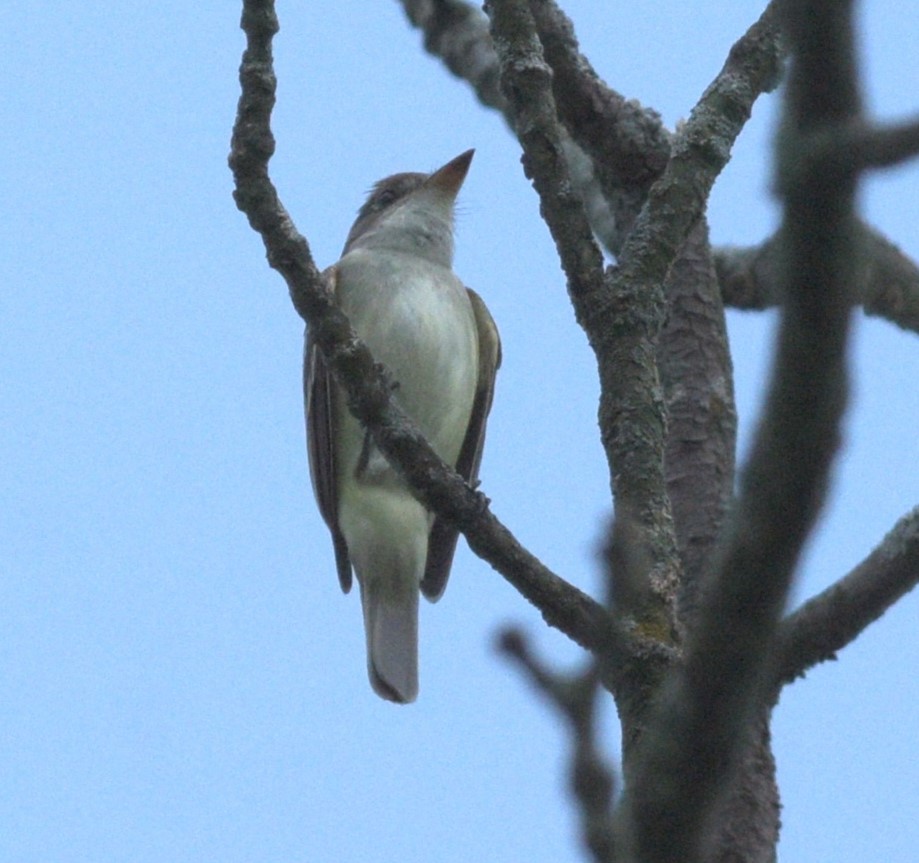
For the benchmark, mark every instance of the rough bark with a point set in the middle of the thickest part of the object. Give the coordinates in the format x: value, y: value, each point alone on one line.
x: 695, y: 368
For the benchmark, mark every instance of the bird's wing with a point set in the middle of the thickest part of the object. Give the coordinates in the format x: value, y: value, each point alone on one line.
x: 442, y: 543
x: 320, y: 395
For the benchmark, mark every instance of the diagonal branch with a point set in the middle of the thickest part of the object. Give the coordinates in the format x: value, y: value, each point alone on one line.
x: 837, y: 616
x: 368, y: 387
x: 526, y: 81
x: 627, y: 141
x: 886, y: 146
x: 888, y: 280
x: 457, y: 33
x: 700, y: 151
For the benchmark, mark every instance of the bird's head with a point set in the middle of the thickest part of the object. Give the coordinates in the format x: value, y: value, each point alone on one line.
x: 412, y: 213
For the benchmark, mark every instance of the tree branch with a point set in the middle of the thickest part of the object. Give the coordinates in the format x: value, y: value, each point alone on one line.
x: 861, y: 146
x: 834, y: 618
x: 701, y: 150
x: 886, y: 146
x: 623, y: 314
x: 630, y: 150
x: 634, y: 301
x: 574, y: 697
x: 627, y: 143
x: 694, y: 359
x: 367, y: 384
x: 625, y: 139
x: 622, y: 331
x: 690, y: 751
x: 888, y: 280
x: 526, y: 83
x: 457, y: 32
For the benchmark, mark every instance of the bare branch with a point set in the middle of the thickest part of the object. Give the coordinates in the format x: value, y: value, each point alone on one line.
x: 368, y: 387
x: 575, y: 696
x: 457, y: 32
x: 834, y: 618
x: 526, y: 83
x: 886, y: 146
x: 860, y: 145
x: 694, y: 359
x: 251, y: 148
x: 691, y: 750
x: 624, y: 316
x: 627, y: 143
x: 888, y: 280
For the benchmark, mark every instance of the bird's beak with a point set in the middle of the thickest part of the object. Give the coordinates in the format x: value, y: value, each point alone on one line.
x: 450, y: 177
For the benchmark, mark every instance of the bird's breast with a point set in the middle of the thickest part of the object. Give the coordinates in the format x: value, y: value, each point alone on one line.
x: 416, y: 318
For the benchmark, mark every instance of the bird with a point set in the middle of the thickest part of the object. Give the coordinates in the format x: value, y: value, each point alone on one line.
x: 395, y: 282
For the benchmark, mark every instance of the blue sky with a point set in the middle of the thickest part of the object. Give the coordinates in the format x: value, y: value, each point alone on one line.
x: 182, y: 679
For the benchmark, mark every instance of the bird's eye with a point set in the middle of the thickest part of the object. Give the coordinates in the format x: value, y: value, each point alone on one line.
x: 385, y: 198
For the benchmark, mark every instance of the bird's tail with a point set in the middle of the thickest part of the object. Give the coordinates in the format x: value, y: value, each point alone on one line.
x: 391, y: 625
